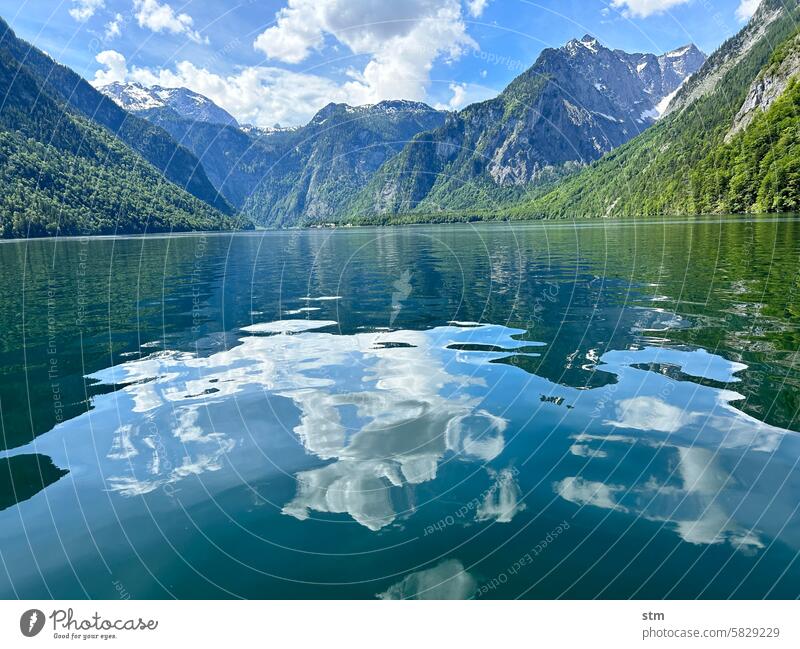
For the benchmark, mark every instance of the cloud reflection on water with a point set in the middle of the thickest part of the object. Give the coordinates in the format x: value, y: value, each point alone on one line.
x: 384, y: 410
x: 385, y: 414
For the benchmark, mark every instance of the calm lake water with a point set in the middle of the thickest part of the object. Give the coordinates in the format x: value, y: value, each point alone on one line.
x: 539, y: 411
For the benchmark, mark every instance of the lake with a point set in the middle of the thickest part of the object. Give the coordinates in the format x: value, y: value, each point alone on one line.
x: 545, y: 410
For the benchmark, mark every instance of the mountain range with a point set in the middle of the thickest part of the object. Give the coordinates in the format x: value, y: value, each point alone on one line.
x: 575, y: 104
x: 585, y: 131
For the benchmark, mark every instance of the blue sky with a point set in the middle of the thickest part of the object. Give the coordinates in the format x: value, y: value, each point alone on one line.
x: 280, y: 61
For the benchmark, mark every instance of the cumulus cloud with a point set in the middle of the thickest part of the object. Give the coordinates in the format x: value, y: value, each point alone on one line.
x: 459, y: 91
x: 158, y: 17
x: 476, y: 7
x: 85, y: 9
x: 645, y: 8
x: 258, y: 95
x: 403, y: 40
x: 115, y: 65
x: 746, y: 9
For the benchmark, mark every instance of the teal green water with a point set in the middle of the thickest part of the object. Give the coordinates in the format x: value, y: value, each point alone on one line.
x: 538, y: 411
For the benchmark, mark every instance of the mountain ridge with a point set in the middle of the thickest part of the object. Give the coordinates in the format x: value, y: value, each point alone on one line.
x: 63, y: 174
x: 137, y: 98
x: 284, y: 177
x: 684, y: 165
x: 694, y: 160
x: 276, y: 175
x: 154, y: 144
x: 574, y: 104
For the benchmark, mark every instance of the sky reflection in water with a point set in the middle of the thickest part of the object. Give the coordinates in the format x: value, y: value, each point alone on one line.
x: 370, y: 428
x: 385, y: 410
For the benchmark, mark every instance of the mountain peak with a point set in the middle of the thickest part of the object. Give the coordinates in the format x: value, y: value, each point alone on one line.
x: 136, y: 97
x: 387, y: 107
x: 588, y: 42
x: 684, y: 50
x: 401, y: 105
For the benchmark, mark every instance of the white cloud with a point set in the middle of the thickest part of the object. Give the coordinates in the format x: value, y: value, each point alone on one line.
x: 403, y: 40
x: 292, y: 38
x: 464, y: 94
x: 746, y: 9
x: 459, y: 91
x: 264, y: 95
x: 159, y: 17
x: 476, y: 7
x: 645, y: 8
x: 85, y: 9
x: 116, y: 68
x: 113, y: 28
x: 259, y: 95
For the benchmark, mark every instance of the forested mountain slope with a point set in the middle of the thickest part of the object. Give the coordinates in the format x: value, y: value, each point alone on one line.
x: 154, y: 144
x: 61, y: 173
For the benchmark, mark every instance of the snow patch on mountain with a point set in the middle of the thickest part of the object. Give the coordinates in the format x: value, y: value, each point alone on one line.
x: 137, y: 98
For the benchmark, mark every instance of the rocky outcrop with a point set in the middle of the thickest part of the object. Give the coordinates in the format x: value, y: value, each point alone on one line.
x: 768, y: 86
x: 728, y: 56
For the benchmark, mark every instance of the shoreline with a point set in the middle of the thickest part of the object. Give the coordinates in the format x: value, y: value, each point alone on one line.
x: 766, y: 217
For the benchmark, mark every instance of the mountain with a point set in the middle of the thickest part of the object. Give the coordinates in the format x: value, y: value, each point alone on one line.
x: 575, y: 104
x: 234, y: 159
x: 152, y: 143
x: 728, y: 143
x: 318, y: 169
x: 63, y: 173
x: 663, y: 75
x: 190, y: 105
x: 282, y: 176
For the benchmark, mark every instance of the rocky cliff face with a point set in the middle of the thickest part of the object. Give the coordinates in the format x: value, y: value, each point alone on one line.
x: 685, y: 164
x: 315, y: 171
x: 575, y: 104
x: 768, y: 86
x: 730, y: 54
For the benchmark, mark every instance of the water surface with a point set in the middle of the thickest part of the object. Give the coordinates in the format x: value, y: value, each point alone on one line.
x: 544, y: 410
